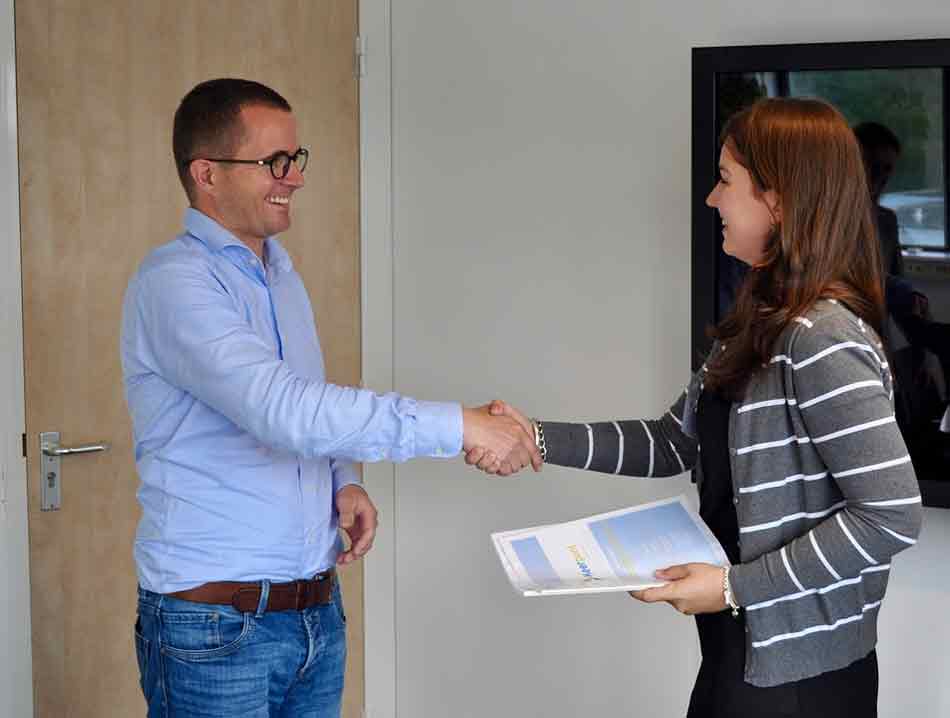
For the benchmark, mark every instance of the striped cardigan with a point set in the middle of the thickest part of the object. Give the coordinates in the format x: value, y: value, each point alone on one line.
x: 824, y: 489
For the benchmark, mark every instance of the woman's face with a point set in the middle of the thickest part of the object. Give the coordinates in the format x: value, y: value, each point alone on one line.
x: 747, y: 217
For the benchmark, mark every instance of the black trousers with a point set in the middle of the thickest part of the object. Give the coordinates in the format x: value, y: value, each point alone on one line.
x: 721, y: 692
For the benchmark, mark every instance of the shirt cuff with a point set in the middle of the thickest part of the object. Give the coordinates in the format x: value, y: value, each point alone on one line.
x: 438, y: 430
x: 344, y: 473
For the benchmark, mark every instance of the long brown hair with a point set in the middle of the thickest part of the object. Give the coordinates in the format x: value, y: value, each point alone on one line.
x: 824, y: 246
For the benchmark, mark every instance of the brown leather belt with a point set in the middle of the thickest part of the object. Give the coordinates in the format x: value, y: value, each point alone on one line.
x: 245, y: 597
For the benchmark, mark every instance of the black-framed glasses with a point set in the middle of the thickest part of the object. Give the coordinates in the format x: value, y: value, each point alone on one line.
x: 279, y: 162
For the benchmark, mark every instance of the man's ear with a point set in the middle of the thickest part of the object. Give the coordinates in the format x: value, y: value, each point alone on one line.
x: 203, y: 175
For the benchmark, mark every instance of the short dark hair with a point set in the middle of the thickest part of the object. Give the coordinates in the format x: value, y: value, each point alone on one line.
x: 873, y: 135
x: 208, y: 120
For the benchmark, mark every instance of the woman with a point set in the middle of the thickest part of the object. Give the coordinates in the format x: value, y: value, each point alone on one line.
x: 802, y: 473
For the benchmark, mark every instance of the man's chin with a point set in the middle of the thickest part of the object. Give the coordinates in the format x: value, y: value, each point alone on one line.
x: 279, y: 227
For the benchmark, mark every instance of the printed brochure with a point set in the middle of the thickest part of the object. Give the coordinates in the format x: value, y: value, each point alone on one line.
x: 615, y: 551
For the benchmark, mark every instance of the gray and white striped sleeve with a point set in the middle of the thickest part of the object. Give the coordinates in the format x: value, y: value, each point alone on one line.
x: 629, y: 447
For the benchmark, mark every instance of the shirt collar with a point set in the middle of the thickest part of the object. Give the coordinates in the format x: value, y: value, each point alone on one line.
x: 216, y: 238
x: 277, y: 257
x: 213, y: 235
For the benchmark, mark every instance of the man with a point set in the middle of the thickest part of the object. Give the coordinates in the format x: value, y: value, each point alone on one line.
x: 881, y: 149
x: 917, y: 356
x: 242, y: 447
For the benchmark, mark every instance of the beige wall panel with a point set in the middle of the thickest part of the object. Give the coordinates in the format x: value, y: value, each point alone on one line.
x: 98, y: 82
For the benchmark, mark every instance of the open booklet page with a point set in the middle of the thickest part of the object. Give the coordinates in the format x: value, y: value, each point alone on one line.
x: 615, y: 551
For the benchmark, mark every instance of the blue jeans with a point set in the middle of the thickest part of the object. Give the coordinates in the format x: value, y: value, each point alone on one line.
x: 204, y: 660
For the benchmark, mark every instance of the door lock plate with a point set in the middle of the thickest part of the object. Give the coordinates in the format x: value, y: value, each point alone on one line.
x: 50, y: 471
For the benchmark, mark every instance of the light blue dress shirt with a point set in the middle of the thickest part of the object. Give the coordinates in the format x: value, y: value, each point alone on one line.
x: 240, y: 442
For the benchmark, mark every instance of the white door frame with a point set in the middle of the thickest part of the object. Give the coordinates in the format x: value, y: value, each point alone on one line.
x: 376, y: 238
x: 16, y: 663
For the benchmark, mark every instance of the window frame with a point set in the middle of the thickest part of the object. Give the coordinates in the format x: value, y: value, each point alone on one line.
x: 707, y: 64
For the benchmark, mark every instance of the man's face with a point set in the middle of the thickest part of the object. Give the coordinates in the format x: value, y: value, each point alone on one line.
x: 880, y: 163
x: 250, y: 202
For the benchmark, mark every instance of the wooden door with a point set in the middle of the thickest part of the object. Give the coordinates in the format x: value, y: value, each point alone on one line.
x: 98, y: 82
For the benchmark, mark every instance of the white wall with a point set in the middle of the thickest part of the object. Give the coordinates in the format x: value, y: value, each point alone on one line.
x: 16, y: 693
x: 540, y: 238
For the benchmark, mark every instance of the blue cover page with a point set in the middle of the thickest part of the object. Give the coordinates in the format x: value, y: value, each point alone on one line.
x: 640, y: 542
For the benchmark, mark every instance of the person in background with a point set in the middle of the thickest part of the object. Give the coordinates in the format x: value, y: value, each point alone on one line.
x: 802, y: 473
x: 243, y: 449
x: 920, y: 377
x: 880, y: 149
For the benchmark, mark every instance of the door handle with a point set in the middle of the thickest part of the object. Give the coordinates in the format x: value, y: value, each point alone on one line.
x: 50, y: 454
x: 66, y: 450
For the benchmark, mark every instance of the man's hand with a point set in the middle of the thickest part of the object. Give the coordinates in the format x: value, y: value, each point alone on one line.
x: 358, y: 519
x: 502, y: 445
x: 920, y: 305
x: 484, y: 459
x: 501, y: 408
x: 693, y: 588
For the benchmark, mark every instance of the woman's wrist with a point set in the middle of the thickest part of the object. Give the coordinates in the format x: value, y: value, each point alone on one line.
x: 539, y: 439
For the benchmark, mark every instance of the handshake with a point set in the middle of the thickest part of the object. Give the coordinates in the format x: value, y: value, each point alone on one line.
x: 499, y: 439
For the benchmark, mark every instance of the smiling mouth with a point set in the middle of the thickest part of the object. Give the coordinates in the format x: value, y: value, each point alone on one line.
x: 279, y: 201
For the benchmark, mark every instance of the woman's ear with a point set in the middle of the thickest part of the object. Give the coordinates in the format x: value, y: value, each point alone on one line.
x: 774, y: 204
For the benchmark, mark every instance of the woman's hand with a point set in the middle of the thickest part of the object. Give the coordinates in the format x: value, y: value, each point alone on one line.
x: 693, y: 588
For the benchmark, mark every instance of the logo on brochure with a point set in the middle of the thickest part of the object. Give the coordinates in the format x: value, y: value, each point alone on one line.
x: 582, y: 564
